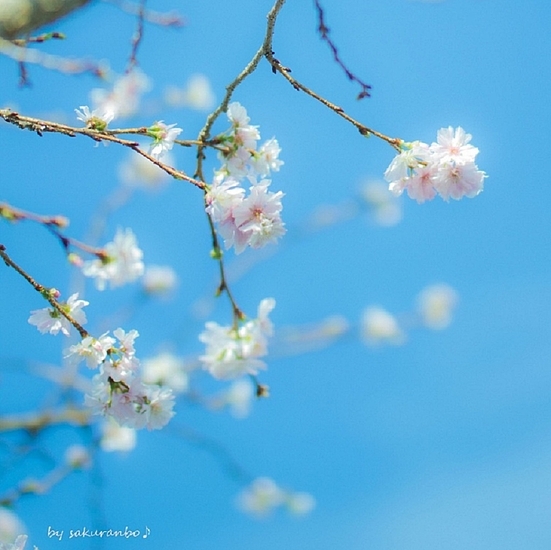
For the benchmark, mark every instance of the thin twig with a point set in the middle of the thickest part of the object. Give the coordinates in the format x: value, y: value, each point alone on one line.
x: 323, y: 29
x: 44, y: 291
x: 43, y: 126
x: 363, y: 129
x: 203, y: 139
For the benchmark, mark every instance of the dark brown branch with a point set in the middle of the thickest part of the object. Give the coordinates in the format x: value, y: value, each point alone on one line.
x: 323, y: 29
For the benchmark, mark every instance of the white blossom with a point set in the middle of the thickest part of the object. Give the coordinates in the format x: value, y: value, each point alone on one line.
x: 232, y: 352
x: 238, y: 397
x: 92, y: 350
x: 98, y: 119
x: 52, y: 321
x: 300, y: 504
x: 163, y: 138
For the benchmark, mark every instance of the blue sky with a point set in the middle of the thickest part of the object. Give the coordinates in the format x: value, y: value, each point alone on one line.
x: 440, y: 443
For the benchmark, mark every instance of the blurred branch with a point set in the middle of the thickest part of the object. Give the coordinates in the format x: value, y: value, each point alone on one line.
x: 35, y: 422
x: 155, y: 17
x: 69, y: 66
x: 137, y: 38
x: 20, y: 17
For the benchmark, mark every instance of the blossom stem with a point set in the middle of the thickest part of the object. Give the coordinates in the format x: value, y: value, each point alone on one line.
x: 362, y: 128
x: 43, y: 126
x: 44, y: 291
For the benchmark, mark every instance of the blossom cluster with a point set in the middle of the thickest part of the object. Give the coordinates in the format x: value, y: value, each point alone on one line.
x: 446, y: 168
x: 232, y: 351
x: 245, y: 219
x: 118, y: 390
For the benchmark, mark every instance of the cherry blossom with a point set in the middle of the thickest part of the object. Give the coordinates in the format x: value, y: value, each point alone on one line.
x: 163, y: 138
x: 258, y: 217
x: 447, y: 168
x: 234, y: 351
x: 98, y: 119
x: 245, y: 220
x: 92, y: 350
x: 52, y: 321
x: 131, y: 403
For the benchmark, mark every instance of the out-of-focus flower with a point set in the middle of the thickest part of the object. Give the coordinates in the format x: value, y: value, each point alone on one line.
x: 124, y: 98
x: 167, y: 370
x: 261, y: 497
x: 117, y: 438
x: 10, y: 525
x: 378, y: 326
x: 385, y: 208
x: 300, y: 504
x: 436, y: 304
x: 238, y: 397
x: 137, y: 171
x: 78, y: 457
x: 159, y: 279
x: 197, y: 94
x: 19, y: 544
x: 121, y: 264
x: 50, y: 320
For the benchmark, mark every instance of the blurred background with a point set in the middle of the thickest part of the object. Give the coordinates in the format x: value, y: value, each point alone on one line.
x: 436, y: 439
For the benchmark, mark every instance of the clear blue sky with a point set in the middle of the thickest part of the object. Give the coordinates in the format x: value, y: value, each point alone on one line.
x: 442, y: 443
